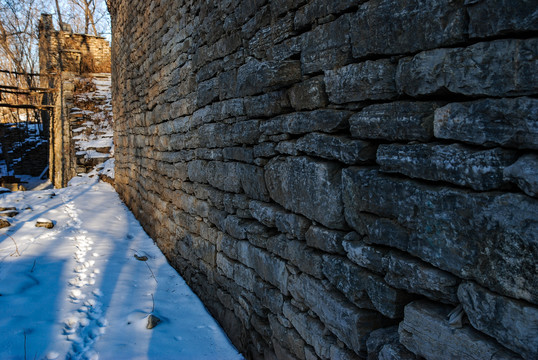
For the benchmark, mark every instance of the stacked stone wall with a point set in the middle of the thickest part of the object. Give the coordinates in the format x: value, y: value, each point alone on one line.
x: 339, y: 179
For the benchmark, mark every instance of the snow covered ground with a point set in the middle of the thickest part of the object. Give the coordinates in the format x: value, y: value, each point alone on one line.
x: 86, y: 288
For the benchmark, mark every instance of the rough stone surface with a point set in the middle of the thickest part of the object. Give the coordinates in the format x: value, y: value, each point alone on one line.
x: 500, y: 17
x: 370, y: 80
x: 505, y: 122
x: 524, y: 173
x: 336, y: 148
x: 315, y: 186
x: 380, y: 337
x: 312, y: 167
x: 456, y: 241
x: 395, y: 121
x: 504, y: 319
x: 373, y: 23
x: 480, y: 69
x: 457, y: 164
x: 425, y: 332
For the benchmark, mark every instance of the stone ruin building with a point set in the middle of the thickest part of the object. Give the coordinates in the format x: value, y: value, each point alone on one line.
x: 72, y: 62
x: 339, y: 179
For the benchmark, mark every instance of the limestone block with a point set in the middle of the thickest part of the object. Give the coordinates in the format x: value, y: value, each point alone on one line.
x: 207, y: 92
x: 310, y: 329
x: 460, y: 241
x: 272, y: 215
x: 288, y: 337
x: 253, y: 181
x: 224, y: 176
x: 351, y: 280
x: 309, y: 94
x: 380, y: 337
x: 298, y: 253
x: 326, y: 46
x: 369, y: 80
x: 496, y: 68
x: 256, y: 76
x: 349, y: 323
x: 395, y: 352
x: 396, y: 27
x: 505, y: 122
x: 524, y: 173
x: 268, y: 104
x: 325, y: 239
x: 399, y: 120
x: 367, y: 256
x: 426, y: 333
x: 306, y: 122
x: 415, y: 276
x: 499, y: 17
x: 316, y: 9
x: 337, y: 148
x: 269, y: 267
x: 316, y: 187
x: 237, y: 153
x: 386, y: 299
x: 511, y: 322
x: 197, y: 171
x: 455, y: 163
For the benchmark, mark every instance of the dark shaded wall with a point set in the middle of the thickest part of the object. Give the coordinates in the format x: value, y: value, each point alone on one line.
x: 333, y: 178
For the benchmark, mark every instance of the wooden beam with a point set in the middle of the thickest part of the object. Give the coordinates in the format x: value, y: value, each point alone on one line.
x: 27, y: 106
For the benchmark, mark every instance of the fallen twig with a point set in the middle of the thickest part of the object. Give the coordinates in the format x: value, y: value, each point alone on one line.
x: 152, y: 274
x: 16, y: 247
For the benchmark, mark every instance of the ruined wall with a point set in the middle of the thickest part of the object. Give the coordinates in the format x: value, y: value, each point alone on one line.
x: 332, y: 178
x: 63, y: 57
x: 81, y: 53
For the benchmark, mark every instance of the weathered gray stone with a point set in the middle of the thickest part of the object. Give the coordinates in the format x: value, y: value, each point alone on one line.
x: 350, y: 279
x: 327, y: 46
x: 272, y: 215
x: 367, y: 256
x: 380, y: 337
x: 455, y: 163
x: 298, y: 253
x: 314, y: 184
x: 237, y: 153
x: 386, y: 299
x: 253, y: 181
x: 511, y: 322
x: 496, y: 68
x: 426, y: 333
x: 316, y: 9
x: 197, y: 170
x: 309, y: 94
x: 267, y: 104
x: 415, y: 276
x: 370, y: 80
x: 256, y: 76
x: 224, y: 176
x: 337, y: 148
x: 288, y: 337
x: 461, y: 241
x: 490, y: 122
x: 325, y: 239
x: 306, y: 122
x: 399, y: 120
x: 349, y: 323
x: 396, y: 27
x: 524, y: 173
x: 395, y: 352
x: 499, y: 17
x: 310, y: 329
